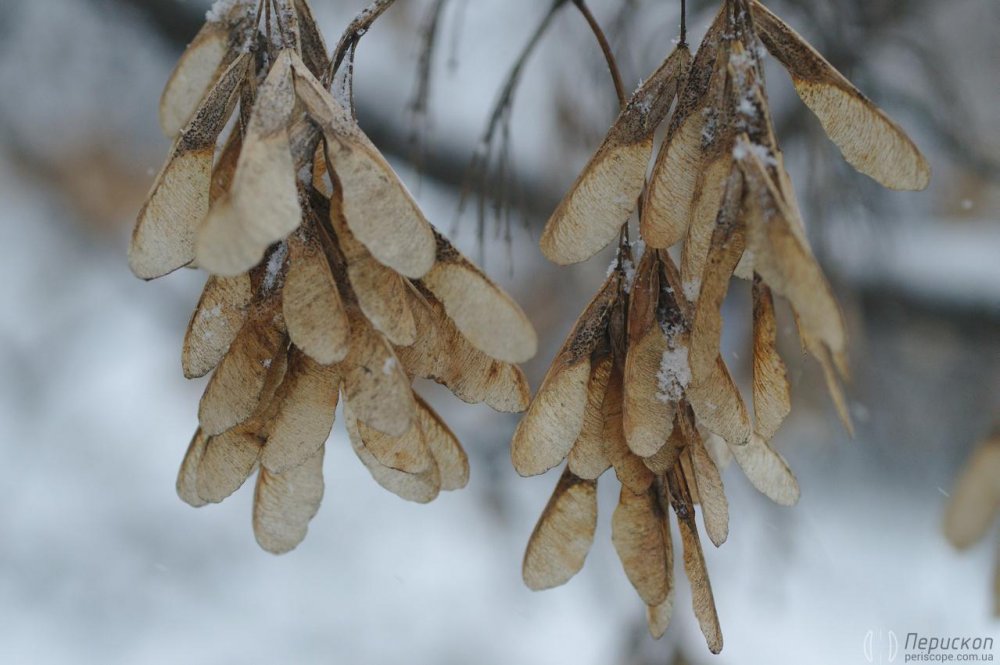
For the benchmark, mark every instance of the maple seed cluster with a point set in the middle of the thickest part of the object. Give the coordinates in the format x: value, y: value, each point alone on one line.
x: 327, y: 282
x: 639, y: 385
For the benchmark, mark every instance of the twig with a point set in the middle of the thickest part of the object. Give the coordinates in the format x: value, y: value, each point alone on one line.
x: 609, y: 56
x: 357, y: 28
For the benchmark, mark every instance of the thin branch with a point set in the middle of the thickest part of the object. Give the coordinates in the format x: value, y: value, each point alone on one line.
x: 357, y: 28
x: 609, y: 56
x: 478, y: 174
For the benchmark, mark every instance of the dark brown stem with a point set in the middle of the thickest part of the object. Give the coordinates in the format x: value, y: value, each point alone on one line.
x: 684, y: 27
x: 358, y: 27
x: 609, y: 56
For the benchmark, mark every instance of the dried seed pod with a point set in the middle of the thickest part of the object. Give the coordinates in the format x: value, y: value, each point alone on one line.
x: 375, y: 384
x: 559, y: 544
x: 306, y: 402
x: 235, y: 389
x: 647, y: 410
x: 484, y: 314
x: 379, y: 210
x: 420, y: 488
x: 164, y: 235
x: 216, y: 321
x: 639, y: 534
x: 767, y: 471
x: 869, y: 140
x: 314, y: 313
x: 284, y: 503
x: 702, y: 598
x: 445, y: 356
x: 771, y: 394
x: 546, y: 434
x: 262, y: 206
x: 684, y: 184
x: 588, y: 459
x: 606, y: 193
x: 202, y: 64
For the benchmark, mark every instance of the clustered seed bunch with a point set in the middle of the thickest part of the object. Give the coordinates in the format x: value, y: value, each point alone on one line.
x: 640, y: 385
x: 327, y: 282
x: 975, y: 503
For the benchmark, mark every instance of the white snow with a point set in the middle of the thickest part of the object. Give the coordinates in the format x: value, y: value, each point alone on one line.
x: 221, y: 9
x: 674, y: 375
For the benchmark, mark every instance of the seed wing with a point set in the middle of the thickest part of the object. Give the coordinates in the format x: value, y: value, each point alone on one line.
x: 484, y: 314
x: 869, y: 140
x: 588, y: 459
x: 215, y: 323
x: 164, y: 235
x: 378, y: 208
x: 767, y: 471
x: 605, y: 194
x: 284, y: 503
x: 306, y: 402
x: 559, y: 544
x: 637, y: 533
x: 262, y: 206
x: 314, y: 313
x: 420, y: 488
x: 771, y: 394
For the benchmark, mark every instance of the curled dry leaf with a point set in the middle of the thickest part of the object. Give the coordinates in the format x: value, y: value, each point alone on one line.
x: 975, y: 498
x: 555, y: 417
x: 201, y: 66
x: 484, y: 314
x: 284, y: 503
x: 420, y: 488
x: 869, y: 140
x: 262, y: 206
x: 606, y: 193
x: 305, y: 402
x: 771, y: 394
x: 314, y: 313
x: 378, y: 208
x: 767, y: 471
x: 559, y: 544
x: 164, y: 235
x: 588, y: 459
x: 216, y: 321
x: 639, y: 535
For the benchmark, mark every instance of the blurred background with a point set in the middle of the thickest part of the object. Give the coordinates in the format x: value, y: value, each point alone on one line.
x: 100, y: 562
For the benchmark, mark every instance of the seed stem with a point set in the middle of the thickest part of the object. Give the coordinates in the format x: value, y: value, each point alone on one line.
x: 609, y: 56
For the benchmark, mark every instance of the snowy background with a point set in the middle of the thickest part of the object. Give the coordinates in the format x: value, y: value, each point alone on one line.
x: 101, y: 563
